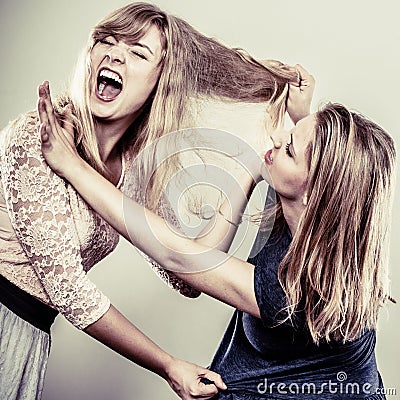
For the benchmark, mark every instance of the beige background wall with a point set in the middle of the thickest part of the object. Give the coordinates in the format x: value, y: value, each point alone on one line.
x: 352, y: 48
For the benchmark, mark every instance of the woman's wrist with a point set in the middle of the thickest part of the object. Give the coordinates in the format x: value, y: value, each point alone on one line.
x: 74, y: 169
x: 166, y: 368
x: 297, y: 115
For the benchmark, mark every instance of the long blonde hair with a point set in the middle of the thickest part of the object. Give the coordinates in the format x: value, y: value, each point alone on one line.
x: 336, y: 268
x: 193, y: 65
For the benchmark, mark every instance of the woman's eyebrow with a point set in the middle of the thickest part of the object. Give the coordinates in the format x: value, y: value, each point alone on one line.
x: 144, y: 46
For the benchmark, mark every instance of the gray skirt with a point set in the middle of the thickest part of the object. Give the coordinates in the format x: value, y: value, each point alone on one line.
x: 24, y: 352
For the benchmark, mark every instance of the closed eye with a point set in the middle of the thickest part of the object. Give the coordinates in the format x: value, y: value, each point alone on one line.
x: 287, y: 147
x: 109, y: 41
x: 138, y: 54
x: 104, y: 41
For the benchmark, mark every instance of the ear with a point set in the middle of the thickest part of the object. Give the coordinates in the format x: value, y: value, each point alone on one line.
x: 304, y: 199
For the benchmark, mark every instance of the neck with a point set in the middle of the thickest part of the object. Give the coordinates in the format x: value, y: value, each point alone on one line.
x: 108, y: 135
x: 292, y: 210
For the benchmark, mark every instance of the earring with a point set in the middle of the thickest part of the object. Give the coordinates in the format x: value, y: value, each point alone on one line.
x: 305, y: 199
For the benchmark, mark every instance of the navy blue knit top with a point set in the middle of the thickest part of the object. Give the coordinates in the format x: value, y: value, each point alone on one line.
x: 266, y: 359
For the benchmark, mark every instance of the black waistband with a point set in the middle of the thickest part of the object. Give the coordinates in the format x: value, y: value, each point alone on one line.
x: 26, y: 306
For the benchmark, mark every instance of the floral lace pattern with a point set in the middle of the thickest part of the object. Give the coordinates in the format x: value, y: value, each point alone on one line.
x: 58, y: 237
x: 49, y: 236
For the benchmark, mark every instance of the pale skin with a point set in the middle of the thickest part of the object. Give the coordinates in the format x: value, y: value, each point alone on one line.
x: 231, y: 282
x: 138, y: 67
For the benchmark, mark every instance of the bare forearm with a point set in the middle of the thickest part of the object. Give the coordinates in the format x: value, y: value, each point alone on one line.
x: 210, y: 270
x: 141, y: 227
x: 221, y: 229
x: 97, y: 191
x: 117, y: 333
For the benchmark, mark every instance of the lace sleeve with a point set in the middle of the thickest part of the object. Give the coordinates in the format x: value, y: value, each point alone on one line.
x: 40, y: 213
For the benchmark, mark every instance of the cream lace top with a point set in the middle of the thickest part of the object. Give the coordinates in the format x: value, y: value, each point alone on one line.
x: 49, y: 237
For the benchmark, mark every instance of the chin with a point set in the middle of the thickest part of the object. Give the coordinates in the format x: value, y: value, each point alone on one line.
x: 267, y: 177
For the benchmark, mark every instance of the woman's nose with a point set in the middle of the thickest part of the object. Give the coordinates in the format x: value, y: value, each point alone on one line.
x: 276, y: 138
x: 115, y: 54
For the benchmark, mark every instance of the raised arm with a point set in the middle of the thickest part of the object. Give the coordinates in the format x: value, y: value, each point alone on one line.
x: 222, y: 227
x: 225, y: 222
x: 225, y: 278
x: 231, y: 282
x: 300, y: 94
x: 109, y: 327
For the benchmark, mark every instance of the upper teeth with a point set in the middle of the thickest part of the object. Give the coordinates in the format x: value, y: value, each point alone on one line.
x: 111, y: 75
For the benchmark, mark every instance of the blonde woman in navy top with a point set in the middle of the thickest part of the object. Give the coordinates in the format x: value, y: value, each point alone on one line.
x: 308, y: 302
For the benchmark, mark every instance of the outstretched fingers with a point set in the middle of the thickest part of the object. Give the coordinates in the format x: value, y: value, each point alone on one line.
x: 46, y: 114
x: 57, y: 138
x: 44, y: 135
x: 54, y: 129
x: 46, y: 111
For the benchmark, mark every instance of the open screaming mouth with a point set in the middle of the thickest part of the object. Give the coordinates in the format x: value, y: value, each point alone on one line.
x: 109, y: 84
